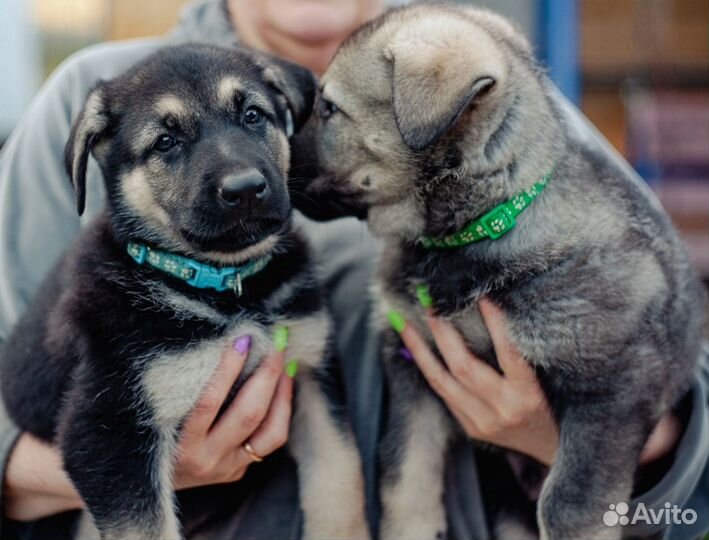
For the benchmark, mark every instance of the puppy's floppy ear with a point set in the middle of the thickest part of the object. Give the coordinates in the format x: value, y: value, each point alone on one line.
x: 441, y: 66
x: 89, y: 126
x: 297, y: 85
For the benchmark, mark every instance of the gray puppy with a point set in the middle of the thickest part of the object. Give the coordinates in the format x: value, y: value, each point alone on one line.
x: 436, y: 124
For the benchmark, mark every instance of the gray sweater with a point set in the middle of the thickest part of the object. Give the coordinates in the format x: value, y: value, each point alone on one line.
x: 38, y: 221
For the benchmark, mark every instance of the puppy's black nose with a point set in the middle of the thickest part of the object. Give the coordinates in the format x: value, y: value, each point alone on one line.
x: 243, y: 188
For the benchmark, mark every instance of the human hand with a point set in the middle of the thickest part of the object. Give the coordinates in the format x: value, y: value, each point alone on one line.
x: 36, y: 485
x: 507, y: 409
x: 212, y: 450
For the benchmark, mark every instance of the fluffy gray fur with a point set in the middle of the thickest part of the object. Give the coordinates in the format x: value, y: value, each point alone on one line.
x: 431, y: 116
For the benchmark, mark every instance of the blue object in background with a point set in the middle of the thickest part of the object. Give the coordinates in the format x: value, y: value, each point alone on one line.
x: 19, y: 56
x: 558, y: 44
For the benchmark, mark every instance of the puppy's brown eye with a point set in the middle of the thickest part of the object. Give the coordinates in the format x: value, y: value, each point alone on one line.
x: 253, y: 115
x: 164, y: 143
x: 327, y: 108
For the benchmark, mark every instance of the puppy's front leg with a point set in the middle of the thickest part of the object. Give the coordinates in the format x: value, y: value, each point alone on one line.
x: 120, y: 465
x: 329, y: 466
x: 594, y: 468
x: 412, y: 454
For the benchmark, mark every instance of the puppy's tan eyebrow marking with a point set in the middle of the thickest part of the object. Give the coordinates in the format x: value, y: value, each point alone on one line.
x: 172, y: 106
x: 171, y: 112
x: 227, y: 88
x: 230, y: 88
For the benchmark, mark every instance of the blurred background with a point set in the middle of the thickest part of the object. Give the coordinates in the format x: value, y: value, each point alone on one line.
x: 639, y: 69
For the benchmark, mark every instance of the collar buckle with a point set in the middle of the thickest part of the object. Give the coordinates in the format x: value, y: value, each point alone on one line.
x: 206, y: 277
x: 498, y: 222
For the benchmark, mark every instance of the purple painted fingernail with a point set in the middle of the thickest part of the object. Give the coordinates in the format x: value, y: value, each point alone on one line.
x: 406, y: 354
x: 242, y: 344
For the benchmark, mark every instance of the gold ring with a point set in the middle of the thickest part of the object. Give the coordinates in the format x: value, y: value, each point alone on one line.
x: 250, y: 451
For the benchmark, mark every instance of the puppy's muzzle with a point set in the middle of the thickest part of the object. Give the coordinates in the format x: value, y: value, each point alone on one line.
x: 327, y: 198
x: 243, y: 189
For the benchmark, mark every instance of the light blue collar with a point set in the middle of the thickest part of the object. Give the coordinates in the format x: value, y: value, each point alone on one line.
x: 194, y: 273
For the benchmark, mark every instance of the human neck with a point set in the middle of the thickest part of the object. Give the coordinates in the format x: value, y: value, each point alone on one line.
x: 314, y: 55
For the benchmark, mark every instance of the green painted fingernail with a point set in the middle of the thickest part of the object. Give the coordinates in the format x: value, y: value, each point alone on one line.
x: 396, y: 320
x: 423, y: 295
x: 280, y: 338
x: 292, y: 368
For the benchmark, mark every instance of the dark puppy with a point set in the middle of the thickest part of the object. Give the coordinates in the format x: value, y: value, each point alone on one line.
x: 195, y: 248
x: 437, y: 124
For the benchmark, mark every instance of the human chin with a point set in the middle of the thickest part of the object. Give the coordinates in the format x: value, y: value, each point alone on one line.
x: 313, y: 20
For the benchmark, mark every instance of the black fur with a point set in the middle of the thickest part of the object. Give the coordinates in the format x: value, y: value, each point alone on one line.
x: 75, y: 371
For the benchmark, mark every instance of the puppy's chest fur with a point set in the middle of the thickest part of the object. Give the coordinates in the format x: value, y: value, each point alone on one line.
x: 176, y: 373
x: 117, y: 327
x: 454, y: 283
x: 174, y: 379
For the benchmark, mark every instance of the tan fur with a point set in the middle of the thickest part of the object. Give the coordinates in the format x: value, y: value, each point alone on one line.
x: 172, y: 106
x: 190, y: 192
x: 284, y: 153
x: 168, y: 109
x: 372, y: 159
x: 253, y: 251
x: 174, y: 383
x: 94, y: 122
x: 139, y: 195
x: 308, y: 338
x: 418, y: 69
x: 85, y: 528
x: 226, y: 90
x: 511, y: 527
x: 411, y: 506
x: 496, y: 24
x: 335, y: 473
x: 416, y: 148
x: 430, y: 73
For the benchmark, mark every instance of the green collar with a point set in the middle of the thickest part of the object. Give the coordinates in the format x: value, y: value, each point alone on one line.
x: 197, y: 274
x: 494, y: 224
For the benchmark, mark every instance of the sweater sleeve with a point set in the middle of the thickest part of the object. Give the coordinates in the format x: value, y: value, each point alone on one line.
x: 8, y: 436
